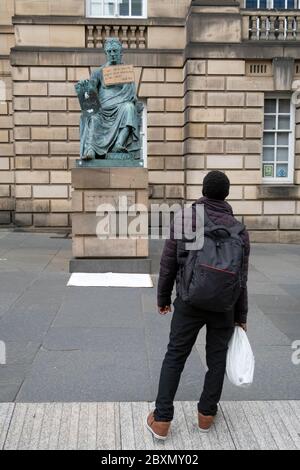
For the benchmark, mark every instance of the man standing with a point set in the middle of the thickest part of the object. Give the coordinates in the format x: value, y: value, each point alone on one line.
x: 188, y: 320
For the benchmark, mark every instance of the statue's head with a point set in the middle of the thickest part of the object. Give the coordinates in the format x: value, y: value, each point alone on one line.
x: 113, y: 50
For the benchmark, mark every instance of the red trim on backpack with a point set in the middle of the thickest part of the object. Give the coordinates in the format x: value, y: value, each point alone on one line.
x: 218, y: 269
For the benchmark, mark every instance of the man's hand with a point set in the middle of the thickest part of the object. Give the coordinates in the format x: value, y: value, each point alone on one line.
x: 242, y: 325
x: 164, y: 310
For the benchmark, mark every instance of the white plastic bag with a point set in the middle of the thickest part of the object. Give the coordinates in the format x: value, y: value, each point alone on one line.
x: 240, y: 359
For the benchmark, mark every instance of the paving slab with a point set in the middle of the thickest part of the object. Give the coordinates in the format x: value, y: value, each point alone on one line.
x: 60, y: 335
x: 240, y: 428
x: 274, y: 304
x: 16, y: 283
x: 100, y: 307
x: 6, y: 411
x: 118, y: 342
x: 276, y: 427
x: 26, y: 326
x: 12, y: 373
x: 261, y: 330
x: 21, y: 353
x: 288, y: 323
x: 292, y: 289
x: 66, y: 376
x: 276, y: 377
x: 7, y: 301
x: 264, y: 425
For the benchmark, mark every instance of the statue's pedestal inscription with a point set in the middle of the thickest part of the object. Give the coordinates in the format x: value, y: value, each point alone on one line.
x: 101, y: 225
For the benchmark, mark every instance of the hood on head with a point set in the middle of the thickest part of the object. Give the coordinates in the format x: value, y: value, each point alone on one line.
x: 215, y: 204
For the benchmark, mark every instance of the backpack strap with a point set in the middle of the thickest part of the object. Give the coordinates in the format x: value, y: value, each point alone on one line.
x: 215, y: 228
x: 210, y: 227
x: 237, y: 228
x: 208, y: 223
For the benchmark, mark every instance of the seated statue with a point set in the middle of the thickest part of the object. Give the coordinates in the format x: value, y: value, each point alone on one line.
x: 111, y: 115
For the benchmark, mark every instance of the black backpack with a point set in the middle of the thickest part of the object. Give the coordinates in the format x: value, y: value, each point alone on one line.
x: 211, y: 278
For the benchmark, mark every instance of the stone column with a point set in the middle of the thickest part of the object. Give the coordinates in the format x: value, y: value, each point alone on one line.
x: 214, y: 21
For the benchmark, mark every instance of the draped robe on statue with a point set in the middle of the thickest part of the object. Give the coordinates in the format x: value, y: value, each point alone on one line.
x: 100, y: 131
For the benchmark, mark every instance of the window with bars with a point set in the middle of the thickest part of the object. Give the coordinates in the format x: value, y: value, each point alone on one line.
x: 278, y: 140
x: 279, y: 4
x: 117, y: 8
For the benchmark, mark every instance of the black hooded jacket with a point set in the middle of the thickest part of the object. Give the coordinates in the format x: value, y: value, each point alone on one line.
x: 220, y: 212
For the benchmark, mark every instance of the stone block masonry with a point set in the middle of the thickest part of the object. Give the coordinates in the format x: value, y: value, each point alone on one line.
x: 46, y: 123
x: 230, y: 111
x: 95, y: 187
x: 7, y: 201
x: 196, y: 122
x: 205, y: 109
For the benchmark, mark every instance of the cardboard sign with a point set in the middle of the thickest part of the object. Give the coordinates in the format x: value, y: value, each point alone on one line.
x: 118, y: 74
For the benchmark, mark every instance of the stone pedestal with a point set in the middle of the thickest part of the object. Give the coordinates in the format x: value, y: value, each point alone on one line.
x: 94, y: 187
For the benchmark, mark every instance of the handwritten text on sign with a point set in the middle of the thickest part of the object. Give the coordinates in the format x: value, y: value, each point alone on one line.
x: 118, y: 74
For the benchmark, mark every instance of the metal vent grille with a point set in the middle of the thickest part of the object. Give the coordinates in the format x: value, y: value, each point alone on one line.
x: 259, y: 68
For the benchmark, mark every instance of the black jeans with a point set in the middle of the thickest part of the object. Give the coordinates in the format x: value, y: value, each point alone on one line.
x: 185, y: 327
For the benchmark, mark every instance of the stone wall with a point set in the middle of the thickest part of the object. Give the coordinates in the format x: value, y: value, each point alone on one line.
x: 204, y: 111
x: 6, y: 120
x: 130, y: 184
x: 224, y: 131
x: 46, y: 129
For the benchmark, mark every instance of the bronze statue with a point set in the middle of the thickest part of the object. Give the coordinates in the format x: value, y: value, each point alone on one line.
x: 111, y: 115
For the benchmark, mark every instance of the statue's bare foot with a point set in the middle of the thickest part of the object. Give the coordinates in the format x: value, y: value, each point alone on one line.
x: 120, y: 149
x: 90, y: 155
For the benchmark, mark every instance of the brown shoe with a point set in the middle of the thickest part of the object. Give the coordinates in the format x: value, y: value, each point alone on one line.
x: 159, y: 429
x: 205, y: 422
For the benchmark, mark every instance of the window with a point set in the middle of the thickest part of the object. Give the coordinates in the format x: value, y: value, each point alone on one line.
x: 143, y: 134
x: 117, y: 8
x: 278, y: 140
x: 279, y: 4
x: 256, y: 3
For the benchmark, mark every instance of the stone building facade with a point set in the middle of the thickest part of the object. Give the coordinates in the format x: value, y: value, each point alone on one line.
x: 219, y: 83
